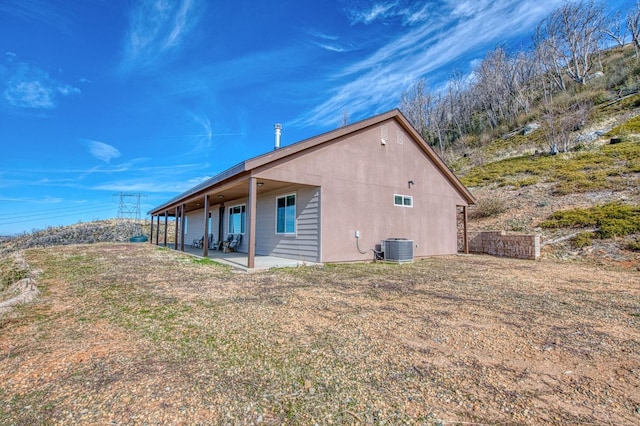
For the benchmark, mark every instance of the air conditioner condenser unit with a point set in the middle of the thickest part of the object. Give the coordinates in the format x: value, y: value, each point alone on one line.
x: 398, y: 250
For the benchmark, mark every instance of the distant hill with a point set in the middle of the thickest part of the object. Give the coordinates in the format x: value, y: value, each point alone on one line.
x: 111, y: 230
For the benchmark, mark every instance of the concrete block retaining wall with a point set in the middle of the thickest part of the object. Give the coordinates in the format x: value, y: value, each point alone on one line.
x: 499, y: 244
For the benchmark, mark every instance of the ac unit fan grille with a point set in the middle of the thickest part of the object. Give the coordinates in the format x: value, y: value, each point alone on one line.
x: 398, y: 250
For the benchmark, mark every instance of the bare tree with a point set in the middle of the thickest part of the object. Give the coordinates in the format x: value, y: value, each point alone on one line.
x: 425, y: 111
x: 571, y: 35
x: 560, y: 122
x: 633, y: 25
x: 550, y: 70
x: 415, y: 104
x: 460, y: 102
x: 616, y: 30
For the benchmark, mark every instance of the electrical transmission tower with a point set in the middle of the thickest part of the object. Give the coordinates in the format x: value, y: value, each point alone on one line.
x: 129, y: 212
x: 129, y: 205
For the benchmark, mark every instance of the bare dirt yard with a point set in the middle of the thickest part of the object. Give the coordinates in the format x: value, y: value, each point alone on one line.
x: 134, y: 334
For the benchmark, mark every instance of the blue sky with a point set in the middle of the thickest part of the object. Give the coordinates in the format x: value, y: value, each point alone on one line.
x: 154, y: 96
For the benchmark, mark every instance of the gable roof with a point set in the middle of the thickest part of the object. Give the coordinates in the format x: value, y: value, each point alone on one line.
x: 247, y: 166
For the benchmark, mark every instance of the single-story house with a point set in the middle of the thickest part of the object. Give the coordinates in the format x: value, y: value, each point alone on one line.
x: 330, y: 198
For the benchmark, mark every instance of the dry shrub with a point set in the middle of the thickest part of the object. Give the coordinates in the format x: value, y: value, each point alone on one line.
x: 488, y: 206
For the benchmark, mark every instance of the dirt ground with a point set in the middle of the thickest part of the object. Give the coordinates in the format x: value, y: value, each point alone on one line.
x: 133, y: 334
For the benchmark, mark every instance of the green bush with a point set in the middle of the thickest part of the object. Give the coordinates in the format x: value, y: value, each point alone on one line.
x: 583, y: 239
x: 634, y: 245
x: 610, y: 220
x: 631, y: 126
x: 604, y: 168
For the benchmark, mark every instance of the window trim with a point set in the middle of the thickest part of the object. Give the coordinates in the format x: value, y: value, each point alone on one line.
x: 295, y: 218
x: 405, y: 198
x: 242, y: 219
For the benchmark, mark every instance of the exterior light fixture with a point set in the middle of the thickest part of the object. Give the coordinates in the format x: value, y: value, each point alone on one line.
x: 411, y: 183
x: 220, y: 196
x: 260, y: 184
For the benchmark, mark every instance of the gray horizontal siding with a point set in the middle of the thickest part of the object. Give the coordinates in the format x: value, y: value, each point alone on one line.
x: 305, y: 244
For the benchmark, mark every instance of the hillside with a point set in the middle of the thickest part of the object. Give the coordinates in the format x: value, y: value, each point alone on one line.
x: 521, y: 193
x: 520, y: 184
x: 112, y: 230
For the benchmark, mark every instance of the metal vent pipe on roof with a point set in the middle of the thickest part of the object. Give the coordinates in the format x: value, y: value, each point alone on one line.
x: 278, y: 128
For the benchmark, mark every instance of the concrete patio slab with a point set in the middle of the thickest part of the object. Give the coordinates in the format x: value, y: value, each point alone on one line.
x: 239, y: 261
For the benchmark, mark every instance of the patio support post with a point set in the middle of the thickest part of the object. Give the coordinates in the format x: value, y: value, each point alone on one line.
x: 151, y: 231
x: 182, y: 223
x: 251, y: 222
x: 158, y: 230
x: 466, y: 236
x: 175, y: 241
x: 205, y: 240
x: 166, y: 225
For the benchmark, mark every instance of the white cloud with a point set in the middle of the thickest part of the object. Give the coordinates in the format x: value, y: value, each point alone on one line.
x: 42, y: 12
x: 468, y: 8
x: 158, y: 28
x: 376, y: 11
x: 146, y: 186
x: 30, y: 87
x: 328, y: 42
x: 321, y: 35
x: 38, y: 200
x: 102, y: 151
x: 332, y: 47
x: 412, y: 16
x: 431, y: 45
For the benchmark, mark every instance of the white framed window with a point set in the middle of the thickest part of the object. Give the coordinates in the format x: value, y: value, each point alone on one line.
x: 402, y: 200
x: 286, y: 214
x: 237, y: 217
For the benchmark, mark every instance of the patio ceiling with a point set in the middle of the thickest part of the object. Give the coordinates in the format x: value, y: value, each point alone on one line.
x: 225, y: 193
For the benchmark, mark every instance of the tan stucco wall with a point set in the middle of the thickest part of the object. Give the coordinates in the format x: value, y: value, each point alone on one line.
x: 359, y: 176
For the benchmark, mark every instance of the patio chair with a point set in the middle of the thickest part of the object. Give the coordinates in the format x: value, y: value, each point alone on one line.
x: 233, y: 245
x: 224, y: 244
x: 218, y: 245
x: 197, y: 243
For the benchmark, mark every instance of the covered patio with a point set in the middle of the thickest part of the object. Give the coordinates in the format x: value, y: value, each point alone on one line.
x: 238, y: 261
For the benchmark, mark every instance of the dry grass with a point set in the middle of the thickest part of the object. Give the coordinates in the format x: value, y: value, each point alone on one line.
x: 131, y: 334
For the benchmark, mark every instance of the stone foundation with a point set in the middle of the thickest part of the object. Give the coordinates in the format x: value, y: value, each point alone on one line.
x: 499, y: 244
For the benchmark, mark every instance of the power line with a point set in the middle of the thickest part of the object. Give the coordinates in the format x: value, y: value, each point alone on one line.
x: 43, y: 213
x: 53, y: 217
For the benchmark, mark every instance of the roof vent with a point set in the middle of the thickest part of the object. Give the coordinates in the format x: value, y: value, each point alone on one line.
x: 278, y: 129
